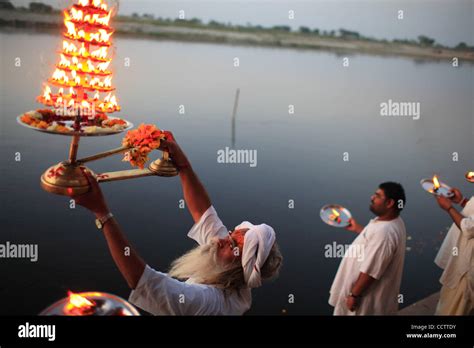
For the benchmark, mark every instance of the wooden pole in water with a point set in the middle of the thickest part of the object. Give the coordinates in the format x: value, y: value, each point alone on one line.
x: 234, y: 114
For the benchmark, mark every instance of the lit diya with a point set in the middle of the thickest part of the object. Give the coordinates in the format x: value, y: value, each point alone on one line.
x: 91, y: 304
x: 470, y: 176
x: 335, y: 215
x: 436, y: 187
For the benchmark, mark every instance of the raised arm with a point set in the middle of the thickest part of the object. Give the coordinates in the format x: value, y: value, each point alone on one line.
x: 129, y: 263
x: 195, y: 195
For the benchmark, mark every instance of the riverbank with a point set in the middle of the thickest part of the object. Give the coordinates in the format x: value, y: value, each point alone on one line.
x: 12, y: 20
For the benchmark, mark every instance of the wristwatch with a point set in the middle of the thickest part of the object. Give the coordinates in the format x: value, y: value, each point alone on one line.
x: 100, y: 222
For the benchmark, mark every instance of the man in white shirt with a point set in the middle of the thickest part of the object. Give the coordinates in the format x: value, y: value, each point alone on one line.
x: 214, y: 278
x: 370, y: 285
x: 456, y: 258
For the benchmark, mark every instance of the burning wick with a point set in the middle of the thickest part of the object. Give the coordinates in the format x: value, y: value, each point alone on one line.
x: 470, y: 176
x: 79, y: 305
x: 436, y: 184
x: 335, y: 216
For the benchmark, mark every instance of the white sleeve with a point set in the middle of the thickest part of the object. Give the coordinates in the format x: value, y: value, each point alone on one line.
x: 467, y: 227
x: 208, y: 226
x: 378, y: 254
x: 159, y: 294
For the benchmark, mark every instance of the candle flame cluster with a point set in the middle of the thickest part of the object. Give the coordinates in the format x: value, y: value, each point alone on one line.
x: 84, y: 62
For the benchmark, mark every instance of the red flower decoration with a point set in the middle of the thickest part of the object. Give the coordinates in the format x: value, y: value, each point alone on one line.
x: 142, y: 140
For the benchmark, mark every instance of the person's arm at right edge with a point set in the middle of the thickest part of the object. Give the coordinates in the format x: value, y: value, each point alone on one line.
x: 195, y: 195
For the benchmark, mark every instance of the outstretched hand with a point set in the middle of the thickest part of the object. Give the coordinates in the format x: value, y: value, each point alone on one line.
x: 177, y: 154
x: 93, y: 199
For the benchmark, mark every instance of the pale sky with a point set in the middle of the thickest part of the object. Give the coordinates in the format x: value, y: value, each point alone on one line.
x: 447, y: 21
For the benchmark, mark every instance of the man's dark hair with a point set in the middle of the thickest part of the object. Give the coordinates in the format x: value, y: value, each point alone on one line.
x: 395, y: 191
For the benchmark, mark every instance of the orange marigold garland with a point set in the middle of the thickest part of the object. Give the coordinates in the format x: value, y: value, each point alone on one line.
x: 142, y: 141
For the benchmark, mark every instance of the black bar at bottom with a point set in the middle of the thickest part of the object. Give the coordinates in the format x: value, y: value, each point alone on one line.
x: 266, y: 329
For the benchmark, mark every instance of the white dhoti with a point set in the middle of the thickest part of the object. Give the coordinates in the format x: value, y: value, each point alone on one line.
x: 456, y: 301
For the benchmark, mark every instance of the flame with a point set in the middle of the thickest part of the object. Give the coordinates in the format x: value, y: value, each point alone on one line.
x: 102, y: 20
x: 113, y: 102
x: 103, y: 66
x: 108, y: 81
x: 78, y: 301
x: 47, y: 93
x: 100, y: 53
x: 335, y: 215
x: 69, y: 47
x: 65, y: 62
x: 96, y: 95
x: 104, y: 36
x: 470, y: 175
x: 90, y: 66
x: 71, y: 28
x: 436, y: 184
x: 84, y: 2
x: 83, y: 51
x: 99, y: 4
x: 77, y: 15
x: 61, y: 91
x: 61, y: 76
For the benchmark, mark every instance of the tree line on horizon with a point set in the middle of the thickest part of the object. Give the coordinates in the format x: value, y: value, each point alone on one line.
x: 422, y: 40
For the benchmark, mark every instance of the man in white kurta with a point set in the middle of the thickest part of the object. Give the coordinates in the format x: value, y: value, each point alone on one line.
x: 456, y: 258
x: 159, y: 294
x: 213, y: 278
x: 383, y: 246
x: 369, y: 276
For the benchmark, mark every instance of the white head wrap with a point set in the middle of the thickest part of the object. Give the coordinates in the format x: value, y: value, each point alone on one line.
x: 258, y: 242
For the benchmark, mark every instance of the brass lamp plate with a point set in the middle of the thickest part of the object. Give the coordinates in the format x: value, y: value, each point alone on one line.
x: 102, y: 131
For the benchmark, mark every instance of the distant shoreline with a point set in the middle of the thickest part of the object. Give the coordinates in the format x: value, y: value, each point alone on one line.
x: 13, y: 20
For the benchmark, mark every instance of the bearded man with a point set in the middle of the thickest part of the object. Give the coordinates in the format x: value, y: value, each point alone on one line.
x: 216, y: 277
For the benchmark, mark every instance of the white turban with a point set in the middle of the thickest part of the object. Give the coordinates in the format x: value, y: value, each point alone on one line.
x: 258, y: 242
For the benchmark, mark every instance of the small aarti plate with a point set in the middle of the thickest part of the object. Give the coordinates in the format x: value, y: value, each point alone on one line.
x: 91, y: 304
x: 443, y: 189
x: 66, y: 127
x: 335, y: 215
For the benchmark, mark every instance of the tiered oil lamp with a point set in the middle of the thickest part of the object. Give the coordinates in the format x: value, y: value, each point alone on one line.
x: 80, y: 93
